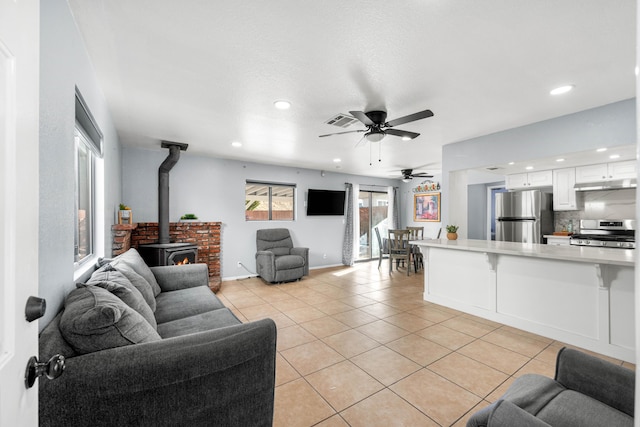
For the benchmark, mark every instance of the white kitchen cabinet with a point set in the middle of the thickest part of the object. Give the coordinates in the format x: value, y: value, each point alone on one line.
x: 606, y: 171
x: 623, y: 170
x: 564, y: 193
x: 530, y: 180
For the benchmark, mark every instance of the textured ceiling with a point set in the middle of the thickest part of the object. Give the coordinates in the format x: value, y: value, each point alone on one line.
x: 207, y: 72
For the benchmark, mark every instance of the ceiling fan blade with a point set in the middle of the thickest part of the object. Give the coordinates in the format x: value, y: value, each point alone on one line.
x: 401, y: 133
x: 410, y: 118
x: 362, y: 117
x: 342, y: 133
x: 421, y: 175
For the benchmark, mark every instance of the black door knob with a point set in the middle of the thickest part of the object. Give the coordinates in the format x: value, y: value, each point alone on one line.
x: 52, y: 369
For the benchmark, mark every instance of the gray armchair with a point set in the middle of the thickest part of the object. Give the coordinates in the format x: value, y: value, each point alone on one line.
x: 276, y: 259
x: 587, y: 391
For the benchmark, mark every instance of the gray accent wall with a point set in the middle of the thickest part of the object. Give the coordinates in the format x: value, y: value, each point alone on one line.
x: 213, y: 189
x: 64, y: 65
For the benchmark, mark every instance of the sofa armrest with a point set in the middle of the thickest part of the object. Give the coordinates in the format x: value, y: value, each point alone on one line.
x: 175, y: 277
x: 507, y: 414
x: 304, y: 253
x: 597, y: 378
x: 224, y: 376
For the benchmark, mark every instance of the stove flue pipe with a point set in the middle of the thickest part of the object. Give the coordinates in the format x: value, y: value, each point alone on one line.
x: 163, y: 187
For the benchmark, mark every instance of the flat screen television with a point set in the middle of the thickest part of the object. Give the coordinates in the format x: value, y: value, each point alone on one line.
x: 325, y: 202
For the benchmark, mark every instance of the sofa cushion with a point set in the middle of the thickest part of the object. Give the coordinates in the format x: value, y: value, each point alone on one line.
x: 94, y: 319
x: 198, y: 323
x: 51, y: 341
x: 125, y: 276
x: 129, y: 295
x: 133, y: 259
x: 185, y: 303
x: 573, y: 409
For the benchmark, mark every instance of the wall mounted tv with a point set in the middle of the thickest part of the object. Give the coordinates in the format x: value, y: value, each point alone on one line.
x: 325, y: 202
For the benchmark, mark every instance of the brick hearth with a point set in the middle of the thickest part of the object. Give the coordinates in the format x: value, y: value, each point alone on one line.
x: 204, y: 234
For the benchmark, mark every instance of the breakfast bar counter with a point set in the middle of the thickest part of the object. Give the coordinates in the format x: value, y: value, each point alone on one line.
x: 583, y: 296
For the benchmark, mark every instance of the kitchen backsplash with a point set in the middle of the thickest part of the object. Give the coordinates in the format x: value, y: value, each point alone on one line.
x: 605, y: 204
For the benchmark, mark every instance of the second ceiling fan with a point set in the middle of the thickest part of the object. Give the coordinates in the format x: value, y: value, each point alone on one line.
x: 378, y: 127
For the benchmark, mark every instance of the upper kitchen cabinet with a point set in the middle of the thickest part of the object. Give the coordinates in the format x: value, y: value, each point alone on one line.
x: 606, y: 171
x: 529, y: 180
x: 564, y: 193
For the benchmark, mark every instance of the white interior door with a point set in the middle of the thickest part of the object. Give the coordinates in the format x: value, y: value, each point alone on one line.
x: 19, y: 98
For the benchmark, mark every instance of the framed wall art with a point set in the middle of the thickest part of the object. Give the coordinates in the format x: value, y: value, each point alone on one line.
x: 426, y: 207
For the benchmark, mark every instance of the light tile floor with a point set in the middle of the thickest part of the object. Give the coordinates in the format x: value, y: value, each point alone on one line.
x: 359, y: 347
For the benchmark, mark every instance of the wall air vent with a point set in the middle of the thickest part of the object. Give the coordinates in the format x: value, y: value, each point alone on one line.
x: 341, y: 120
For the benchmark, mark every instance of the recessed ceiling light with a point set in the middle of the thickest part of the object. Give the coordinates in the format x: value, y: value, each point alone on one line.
x: 282, y: 105
x: 529, y: 168
x: 336, y: 160
x: 559, y: 160
x: 236, y: 144
x: 614, y: 156
x: 406, y: 138
x: 600, y: 150
x: 512, y: 163
x: 561, y: 89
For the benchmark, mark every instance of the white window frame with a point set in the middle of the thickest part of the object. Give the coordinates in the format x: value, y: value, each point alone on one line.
x: 270, y: 186
x: 87, y: 135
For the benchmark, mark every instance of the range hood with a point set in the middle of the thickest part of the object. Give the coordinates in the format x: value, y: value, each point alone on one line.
x: 613, y: 184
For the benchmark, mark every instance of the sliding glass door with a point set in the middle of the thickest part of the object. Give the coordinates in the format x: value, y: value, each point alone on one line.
x: 373, y: 213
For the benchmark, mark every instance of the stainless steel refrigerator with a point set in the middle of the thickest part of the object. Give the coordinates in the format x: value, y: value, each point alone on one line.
x: 524, y: 216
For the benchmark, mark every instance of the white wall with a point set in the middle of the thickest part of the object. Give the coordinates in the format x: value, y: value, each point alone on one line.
x: 606, y: 126
x: 63, y: 66
x: 213, y: 189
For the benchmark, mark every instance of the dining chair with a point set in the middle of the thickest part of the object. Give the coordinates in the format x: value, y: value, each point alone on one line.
x: 383, y: 245
x: 416, y: 233
x: 399, y: 249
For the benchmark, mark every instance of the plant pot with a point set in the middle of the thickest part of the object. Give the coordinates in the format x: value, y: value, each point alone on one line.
x: 452, y: 236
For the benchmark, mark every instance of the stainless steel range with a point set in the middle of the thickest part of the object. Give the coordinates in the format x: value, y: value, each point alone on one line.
x: 609, y: 233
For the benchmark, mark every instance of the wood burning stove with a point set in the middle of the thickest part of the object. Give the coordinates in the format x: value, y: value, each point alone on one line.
x: 165, y: 252
x: 156, y: 254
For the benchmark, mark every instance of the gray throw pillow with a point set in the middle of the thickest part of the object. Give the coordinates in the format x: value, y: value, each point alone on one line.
x: 94, y: 319
x: 129, y: 295
x: 125, y: 276
x: 133, y: 259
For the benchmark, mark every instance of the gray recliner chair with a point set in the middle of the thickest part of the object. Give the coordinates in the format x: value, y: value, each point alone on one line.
x: 586, y: 392
x: 276, y: 259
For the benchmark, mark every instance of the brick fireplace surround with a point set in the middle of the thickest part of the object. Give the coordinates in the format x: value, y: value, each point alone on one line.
x: 204, y: 234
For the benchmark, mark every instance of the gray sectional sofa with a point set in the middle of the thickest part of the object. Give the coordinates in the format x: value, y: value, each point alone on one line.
x: 155, y: 347
x: 586, y: 392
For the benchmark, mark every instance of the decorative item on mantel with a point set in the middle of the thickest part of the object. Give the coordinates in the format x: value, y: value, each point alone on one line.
x: 125, y: 216
x: 452, y: 232
x: 188, y: 218
x: 426, y: 185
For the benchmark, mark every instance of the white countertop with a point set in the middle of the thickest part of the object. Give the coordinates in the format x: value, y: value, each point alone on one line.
x: 554, y: 236
x: 613, y: 256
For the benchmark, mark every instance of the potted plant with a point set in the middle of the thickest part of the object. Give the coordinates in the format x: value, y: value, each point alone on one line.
x: 188, y: 217
x: 452, y: 232
x: 124, y: 214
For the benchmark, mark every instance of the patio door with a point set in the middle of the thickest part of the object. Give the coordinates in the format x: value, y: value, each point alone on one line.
x: 373, y: 207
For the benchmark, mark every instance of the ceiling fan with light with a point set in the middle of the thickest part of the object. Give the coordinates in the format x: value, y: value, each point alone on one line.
x: 408, y: 175
x: 378, y: 127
